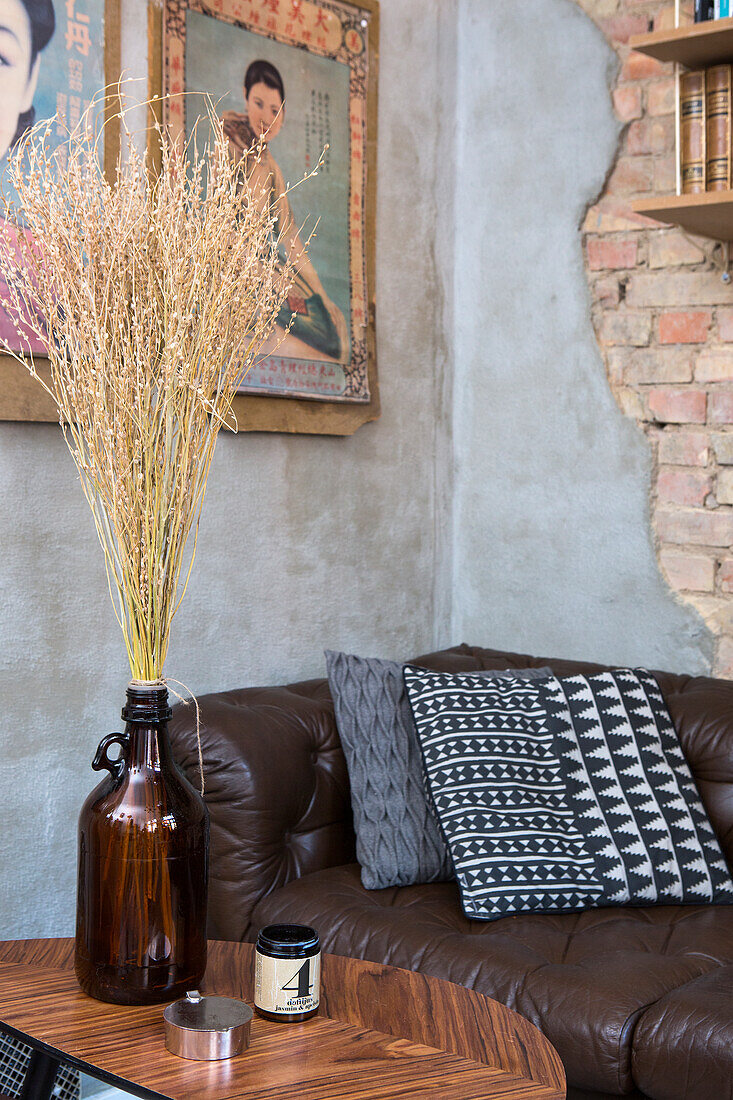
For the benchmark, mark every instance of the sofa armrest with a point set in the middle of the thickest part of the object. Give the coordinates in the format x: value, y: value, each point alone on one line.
x: 277, y: 790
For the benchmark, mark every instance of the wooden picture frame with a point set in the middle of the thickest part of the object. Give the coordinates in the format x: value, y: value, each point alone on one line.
x: 291, y: 30
x: 21, y: 396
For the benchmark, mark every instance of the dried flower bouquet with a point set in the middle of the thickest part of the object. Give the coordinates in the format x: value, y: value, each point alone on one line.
x: 153, y: 295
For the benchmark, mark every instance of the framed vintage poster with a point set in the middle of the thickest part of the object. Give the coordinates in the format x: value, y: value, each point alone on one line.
x: 300, y: 74
x: 54, y: 58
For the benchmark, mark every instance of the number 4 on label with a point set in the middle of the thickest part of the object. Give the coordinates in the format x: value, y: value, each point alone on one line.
x: 304, y: 985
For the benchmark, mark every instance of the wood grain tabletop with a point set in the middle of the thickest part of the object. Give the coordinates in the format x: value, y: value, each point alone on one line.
x: 381, y: 1033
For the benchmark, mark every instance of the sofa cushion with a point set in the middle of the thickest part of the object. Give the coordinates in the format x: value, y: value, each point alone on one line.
x: 633, y: 791
x: 498, y: 788
x: 588, y: 980
x: 683, y: 1045
x: 398, y: 839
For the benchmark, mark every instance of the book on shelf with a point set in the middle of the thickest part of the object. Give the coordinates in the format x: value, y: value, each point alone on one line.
x: 692, y: 131
x: 711, y: 9
x: 717, y: 128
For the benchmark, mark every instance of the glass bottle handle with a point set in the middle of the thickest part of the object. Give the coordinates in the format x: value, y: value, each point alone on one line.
x: 102, y: 759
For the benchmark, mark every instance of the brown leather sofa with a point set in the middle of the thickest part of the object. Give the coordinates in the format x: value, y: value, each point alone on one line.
x: 637, y: 1001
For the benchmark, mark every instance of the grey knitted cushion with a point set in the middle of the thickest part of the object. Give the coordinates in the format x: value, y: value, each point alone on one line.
x: 398, y: 839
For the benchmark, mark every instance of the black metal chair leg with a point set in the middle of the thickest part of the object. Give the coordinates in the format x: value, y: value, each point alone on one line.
x: 39, y: 1077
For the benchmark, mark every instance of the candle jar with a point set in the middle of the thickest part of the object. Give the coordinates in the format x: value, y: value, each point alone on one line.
x: 287, y: 972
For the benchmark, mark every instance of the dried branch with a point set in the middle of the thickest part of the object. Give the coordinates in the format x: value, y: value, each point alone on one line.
x: 154, y: 296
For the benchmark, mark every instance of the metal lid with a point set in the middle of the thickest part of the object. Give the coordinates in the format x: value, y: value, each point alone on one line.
x: 207, y: 1028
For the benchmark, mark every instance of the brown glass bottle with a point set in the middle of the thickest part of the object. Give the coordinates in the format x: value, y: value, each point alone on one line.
x: 143, y: 866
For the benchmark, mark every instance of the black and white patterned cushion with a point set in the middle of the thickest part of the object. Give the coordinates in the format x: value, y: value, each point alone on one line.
x: 564, y: 794
x: 499, y: 793
x: 636, y: 800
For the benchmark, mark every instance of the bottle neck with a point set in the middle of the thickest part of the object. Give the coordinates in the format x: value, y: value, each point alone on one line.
x: 146, y: 714
x: 149, y: 746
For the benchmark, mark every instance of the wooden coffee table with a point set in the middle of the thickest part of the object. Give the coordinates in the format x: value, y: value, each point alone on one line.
x: 380, y: 1033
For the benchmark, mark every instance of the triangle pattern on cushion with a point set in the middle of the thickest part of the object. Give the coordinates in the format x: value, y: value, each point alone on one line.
x: 630, y: 765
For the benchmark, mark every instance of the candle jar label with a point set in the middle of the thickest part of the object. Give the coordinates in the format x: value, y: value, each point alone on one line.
x: 287, y: 986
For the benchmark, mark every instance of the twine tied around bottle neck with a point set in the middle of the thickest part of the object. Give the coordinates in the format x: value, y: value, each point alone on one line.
x: 167, y: 681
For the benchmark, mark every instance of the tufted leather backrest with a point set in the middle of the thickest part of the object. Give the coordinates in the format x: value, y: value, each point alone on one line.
x: 278, y: 790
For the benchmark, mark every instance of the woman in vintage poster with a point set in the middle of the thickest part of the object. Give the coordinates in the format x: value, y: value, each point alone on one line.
x: 317, y: 320
x: 26, y: 28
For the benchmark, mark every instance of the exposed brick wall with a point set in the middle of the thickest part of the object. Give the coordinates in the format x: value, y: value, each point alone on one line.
x: 664, y: 322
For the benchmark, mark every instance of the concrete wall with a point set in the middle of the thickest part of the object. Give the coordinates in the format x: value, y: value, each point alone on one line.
x: 305, y: 542
x: 537, y: 537
x: 553, y: 552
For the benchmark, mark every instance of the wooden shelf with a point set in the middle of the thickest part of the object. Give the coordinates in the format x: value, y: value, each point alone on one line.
x: 697, y: 45
x: 708, y: 215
